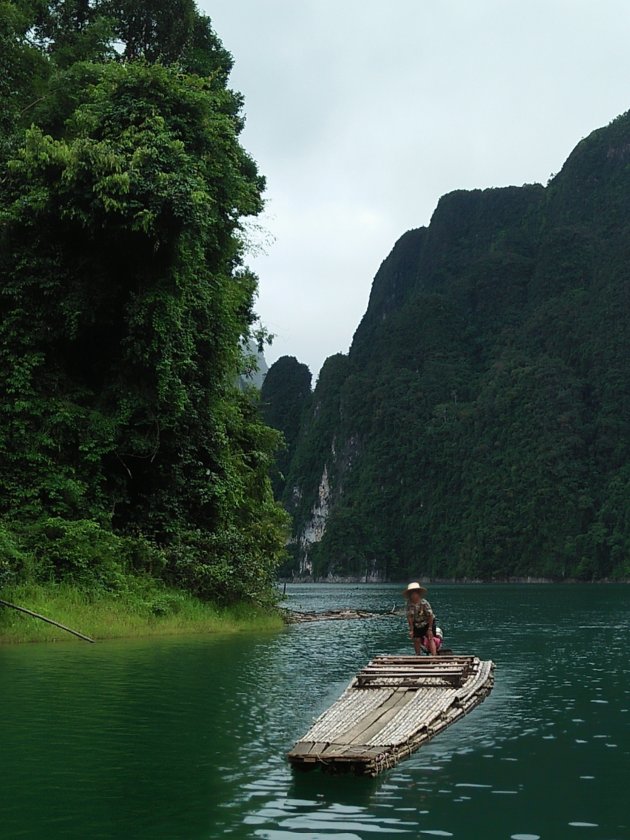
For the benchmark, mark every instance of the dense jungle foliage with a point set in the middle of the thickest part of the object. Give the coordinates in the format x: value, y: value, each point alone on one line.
x: 125, y: 445
x: 480, y: 425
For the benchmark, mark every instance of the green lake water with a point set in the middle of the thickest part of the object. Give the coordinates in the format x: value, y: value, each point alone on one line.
x: 185, y: 738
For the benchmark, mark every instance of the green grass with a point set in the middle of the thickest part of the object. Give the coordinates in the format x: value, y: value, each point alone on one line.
x: 143, y: 610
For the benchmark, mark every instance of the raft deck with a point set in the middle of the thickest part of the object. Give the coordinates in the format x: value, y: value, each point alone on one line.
x: 392, y: 707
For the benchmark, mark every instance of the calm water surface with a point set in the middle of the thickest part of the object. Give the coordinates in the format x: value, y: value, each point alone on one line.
x: 185, y: 738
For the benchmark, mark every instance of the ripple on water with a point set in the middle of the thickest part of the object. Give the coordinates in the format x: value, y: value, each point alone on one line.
x: 209, y: 723
x: 471, y: 785
x: 274, y: 834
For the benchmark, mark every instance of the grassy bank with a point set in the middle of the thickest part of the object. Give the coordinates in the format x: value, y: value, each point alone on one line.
x: 144, y: 610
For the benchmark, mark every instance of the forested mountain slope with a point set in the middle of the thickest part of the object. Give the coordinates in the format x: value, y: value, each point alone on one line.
x: 480, y: 425
x: 285, y: 395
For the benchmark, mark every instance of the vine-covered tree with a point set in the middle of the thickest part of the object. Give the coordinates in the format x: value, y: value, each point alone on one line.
x: 123, y: 304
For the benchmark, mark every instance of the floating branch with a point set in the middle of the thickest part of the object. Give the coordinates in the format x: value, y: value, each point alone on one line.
x: 295, y: 617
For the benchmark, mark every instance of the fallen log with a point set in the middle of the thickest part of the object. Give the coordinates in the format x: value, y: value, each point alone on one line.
x: 47, y: 620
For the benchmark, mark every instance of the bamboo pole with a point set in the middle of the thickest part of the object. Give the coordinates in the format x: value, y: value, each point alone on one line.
x: 48, y: 620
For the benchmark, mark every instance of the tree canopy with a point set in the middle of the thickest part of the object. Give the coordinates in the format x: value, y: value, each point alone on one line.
x: 125, y: 300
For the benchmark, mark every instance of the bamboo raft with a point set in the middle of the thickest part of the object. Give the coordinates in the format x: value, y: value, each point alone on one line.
x: 390, y: 709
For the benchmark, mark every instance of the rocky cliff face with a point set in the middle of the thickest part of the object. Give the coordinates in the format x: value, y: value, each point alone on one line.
x: 314, y: 528
x: 480, y: 425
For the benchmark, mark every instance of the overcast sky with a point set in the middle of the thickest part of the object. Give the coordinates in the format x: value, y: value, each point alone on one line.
x: 362, y: 113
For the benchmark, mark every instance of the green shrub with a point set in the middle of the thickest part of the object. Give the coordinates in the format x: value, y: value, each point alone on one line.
x: 226, y: 566
x: 11, y: 557
x: 81, y: 551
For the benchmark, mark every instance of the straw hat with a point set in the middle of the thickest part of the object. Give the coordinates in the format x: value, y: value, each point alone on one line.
x: 412, y: 587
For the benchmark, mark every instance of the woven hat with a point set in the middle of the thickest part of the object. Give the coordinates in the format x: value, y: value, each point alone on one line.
x: 412, y: 587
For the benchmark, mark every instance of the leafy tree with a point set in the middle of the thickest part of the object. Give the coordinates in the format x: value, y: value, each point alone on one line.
x: 23, y: 69
x: 72, y: 30
x: 155, y: 30
x: 123, y: 305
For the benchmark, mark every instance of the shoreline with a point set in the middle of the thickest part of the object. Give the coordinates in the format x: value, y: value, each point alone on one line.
x: 126, y: 615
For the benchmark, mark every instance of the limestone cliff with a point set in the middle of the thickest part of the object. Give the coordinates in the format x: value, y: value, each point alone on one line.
x: 480, y: 424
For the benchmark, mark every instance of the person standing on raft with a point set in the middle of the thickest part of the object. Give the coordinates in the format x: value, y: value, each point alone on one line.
x: 421, y: 620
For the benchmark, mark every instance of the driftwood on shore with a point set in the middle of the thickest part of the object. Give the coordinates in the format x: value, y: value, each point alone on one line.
x: 297, y: 617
